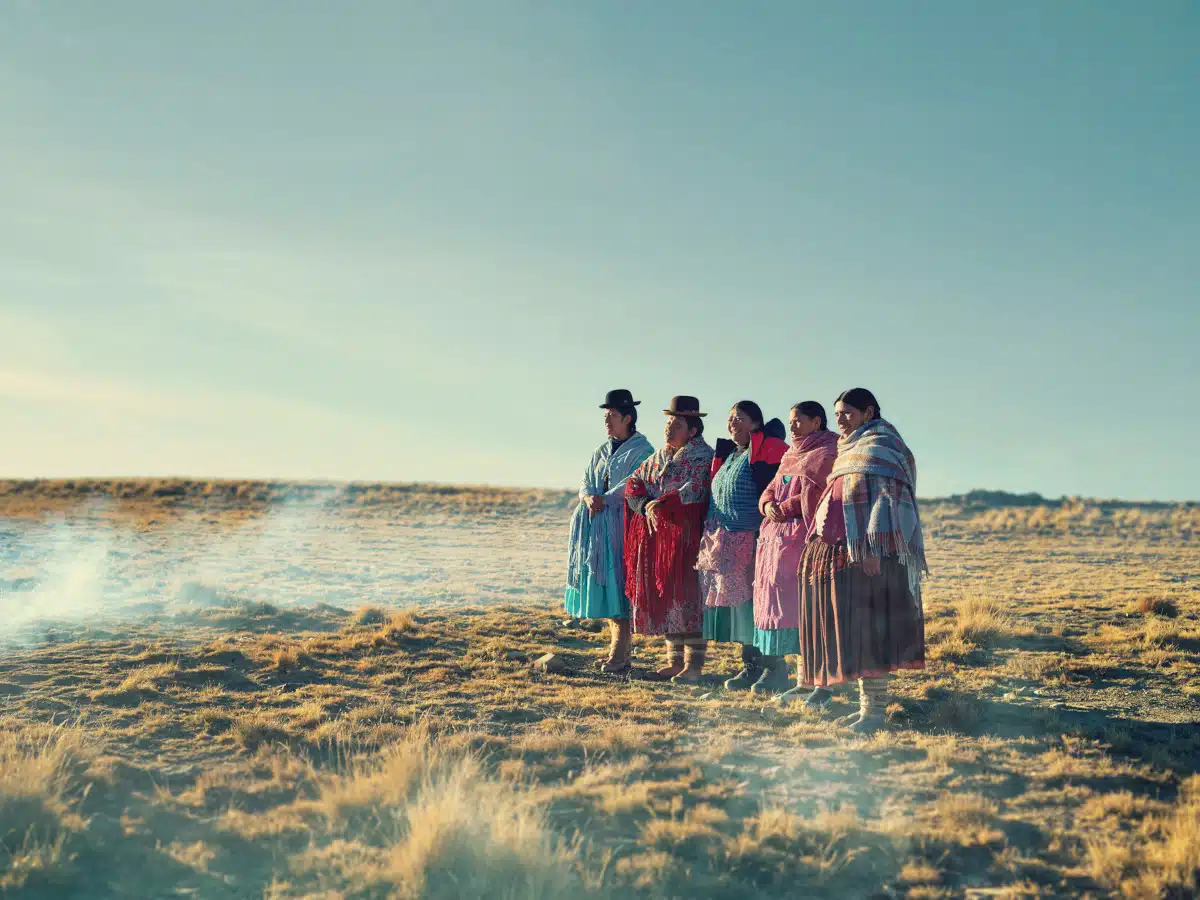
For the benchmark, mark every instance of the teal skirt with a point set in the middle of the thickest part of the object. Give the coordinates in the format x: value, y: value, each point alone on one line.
x: 592, y: 600
x: 726, y: 624
x: 777, y: 642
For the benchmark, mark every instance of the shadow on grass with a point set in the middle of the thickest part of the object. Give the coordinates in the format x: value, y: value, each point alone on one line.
x: 1172, y: 745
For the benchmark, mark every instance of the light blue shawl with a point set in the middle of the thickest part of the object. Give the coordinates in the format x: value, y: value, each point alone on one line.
x: 599, y: 540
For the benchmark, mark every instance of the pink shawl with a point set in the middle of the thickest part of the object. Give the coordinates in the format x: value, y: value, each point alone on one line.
x: 811, y: 461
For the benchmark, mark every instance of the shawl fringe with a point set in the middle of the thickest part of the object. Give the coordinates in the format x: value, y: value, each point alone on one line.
x: 821, y: 562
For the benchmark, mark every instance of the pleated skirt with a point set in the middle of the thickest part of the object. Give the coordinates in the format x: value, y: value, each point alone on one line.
x: 854, y: 625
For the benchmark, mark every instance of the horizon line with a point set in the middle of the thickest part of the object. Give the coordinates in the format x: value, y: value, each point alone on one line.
x: 1031, y: 497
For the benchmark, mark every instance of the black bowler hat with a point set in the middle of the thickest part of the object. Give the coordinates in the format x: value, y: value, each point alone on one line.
x: 619, y: 399
x: 684, y: 405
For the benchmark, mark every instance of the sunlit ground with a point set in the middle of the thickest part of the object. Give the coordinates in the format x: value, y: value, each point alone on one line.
x: 248, y: 691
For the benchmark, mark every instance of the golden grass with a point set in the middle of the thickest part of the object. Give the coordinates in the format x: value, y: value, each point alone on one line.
x: 370, y: 615
x: 1087, y: 518
x: 1158, y: 606
x: 38, y: 818
x: 157, y: 500
x: 1159, y: 857
x: 422, y: 820
x: 1046, y: 750
x: 979, y: 618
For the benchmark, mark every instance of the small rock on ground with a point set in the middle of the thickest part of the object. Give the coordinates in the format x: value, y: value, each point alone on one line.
x: 551, y: 662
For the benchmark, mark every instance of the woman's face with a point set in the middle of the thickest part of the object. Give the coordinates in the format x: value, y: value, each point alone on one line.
x: 802, y: 426
x: 850, y: 418
x: 677, y: 432
x: 616, y: 425
x: 740, y: 427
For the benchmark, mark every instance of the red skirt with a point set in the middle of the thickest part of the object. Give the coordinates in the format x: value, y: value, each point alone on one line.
x: 660, y: 572
x: 854, y: 625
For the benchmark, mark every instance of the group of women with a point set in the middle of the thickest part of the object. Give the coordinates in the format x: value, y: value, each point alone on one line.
x: 811, y: 549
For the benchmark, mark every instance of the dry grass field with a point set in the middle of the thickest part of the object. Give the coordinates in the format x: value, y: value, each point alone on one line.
x: 224, y: 745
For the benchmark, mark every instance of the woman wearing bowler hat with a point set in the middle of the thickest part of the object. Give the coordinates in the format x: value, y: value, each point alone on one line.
x: 595, y: 559
x: 667, y: 499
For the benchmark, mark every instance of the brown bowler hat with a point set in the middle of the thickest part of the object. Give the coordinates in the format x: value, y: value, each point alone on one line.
x: 684, y: 405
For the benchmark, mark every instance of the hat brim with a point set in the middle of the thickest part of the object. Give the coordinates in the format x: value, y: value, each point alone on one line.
x: 685, y: 414
x: 620, y: 405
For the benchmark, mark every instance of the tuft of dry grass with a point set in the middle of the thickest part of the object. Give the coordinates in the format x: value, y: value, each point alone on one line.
x: 38, y: 800
x: 402, y: 622
x: 150, y: 678
x: 422, y: 820
x: 1040, y: 667
x: 920, y: 872
x: 1161, y: 633
x: 289, y: 658
x: 980, y: 618
x: 1158, y: 606
x: 952, y: 648
x: 370, y: 615
x: 254, y: 729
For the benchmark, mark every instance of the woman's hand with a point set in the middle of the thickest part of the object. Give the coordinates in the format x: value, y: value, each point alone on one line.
x: 871, y: 566
x: 774, y: 513
x: 652, y: 516
x: 595, y: 503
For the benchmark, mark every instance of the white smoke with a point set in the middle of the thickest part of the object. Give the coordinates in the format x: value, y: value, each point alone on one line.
x: 95, y: 571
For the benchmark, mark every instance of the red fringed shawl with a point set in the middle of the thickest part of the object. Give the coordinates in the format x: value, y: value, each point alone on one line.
x: 660, y: 568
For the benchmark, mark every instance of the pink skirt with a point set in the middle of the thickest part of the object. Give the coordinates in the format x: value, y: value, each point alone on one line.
x: 776, y: 582
x: 726, y: 566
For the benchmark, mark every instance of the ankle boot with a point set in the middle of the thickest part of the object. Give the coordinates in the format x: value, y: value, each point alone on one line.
x: 608, y: 659
x: 674, y: 659
x: 872, y: 706
x: 751, y: 669
x: 620, y: 651
x: 820, y: 698
x: 774, y: 677
x: 696, y: 650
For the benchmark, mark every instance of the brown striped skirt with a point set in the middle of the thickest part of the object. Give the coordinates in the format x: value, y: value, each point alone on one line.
x: 854, y: 625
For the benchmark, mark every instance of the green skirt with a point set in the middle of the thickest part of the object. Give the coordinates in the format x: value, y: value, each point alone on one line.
x: 729, y: 623
x: 777, y: 642
x: 593, y: 600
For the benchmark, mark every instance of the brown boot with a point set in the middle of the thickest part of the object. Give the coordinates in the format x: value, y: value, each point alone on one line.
x: 697, y: 650
x: 620, y: 651
x: 613, y: 639
x: 674, y: 659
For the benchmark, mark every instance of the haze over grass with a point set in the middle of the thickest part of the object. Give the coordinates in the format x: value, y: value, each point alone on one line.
x: 238, y: 742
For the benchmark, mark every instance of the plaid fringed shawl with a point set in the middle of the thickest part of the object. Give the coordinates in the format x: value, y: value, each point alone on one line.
x: 879, y: 479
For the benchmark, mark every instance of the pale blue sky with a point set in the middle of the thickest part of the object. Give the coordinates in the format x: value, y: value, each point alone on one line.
x: 412, y: 241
